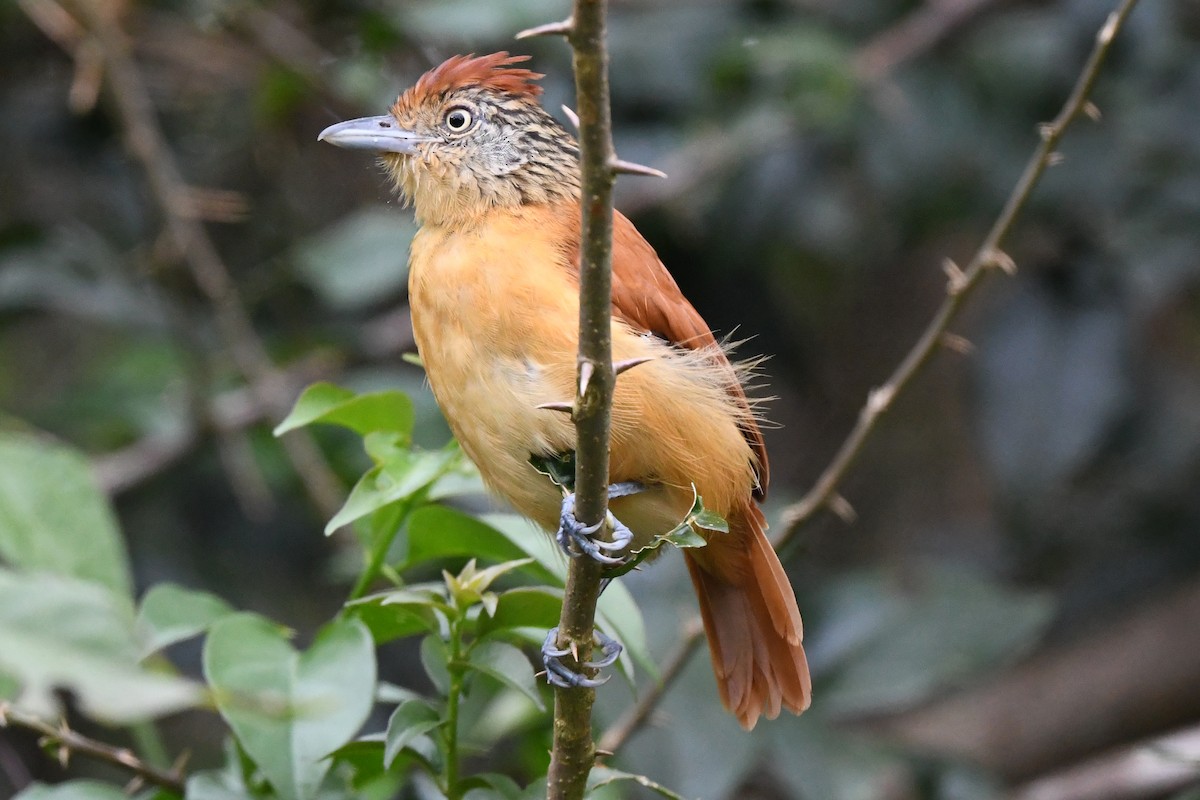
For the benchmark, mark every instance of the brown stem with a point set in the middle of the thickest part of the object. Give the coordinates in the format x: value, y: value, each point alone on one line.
x: 67, y: 742
x: 574, y: 751
x: 959, y: 285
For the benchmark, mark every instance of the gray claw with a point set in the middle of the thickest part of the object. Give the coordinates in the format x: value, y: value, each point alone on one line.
x: 559, y: 674
x: 576, y: 539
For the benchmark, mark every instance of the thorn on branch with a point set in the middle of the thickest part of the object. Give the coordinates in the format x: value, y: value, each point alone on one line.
x: 622, y: 167
x: 629, y: 363
x: 1047, y: 130
x: 87, y: 80
x: 879, y: 399
x: 572, y: 116
x: 957, y: 278
x: 1092, y: 111
x: 1054, y: 159
x: 959, y: 344
x: 1002, y: 261
x: 842, y: 509
x: 566, y: 408
x: 563, y: 28
x: 1106, y: 34
x: 586, y: 370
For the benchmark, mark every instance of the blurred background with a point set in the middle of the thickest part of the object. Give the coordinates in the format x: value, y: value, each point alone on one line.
x: 1020, y: 589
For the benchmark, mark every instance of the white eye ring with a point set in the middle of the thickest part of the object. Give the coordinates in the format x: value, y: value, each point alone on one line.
x: 458, y: 119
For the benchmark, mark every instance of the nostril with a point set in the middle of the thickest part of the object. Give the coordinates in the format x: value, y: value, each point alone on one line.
x: 385, y: 124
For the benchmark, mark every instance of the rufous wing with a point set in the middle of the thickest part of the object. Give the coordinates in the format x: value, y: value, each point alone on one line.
x: 645, y: 296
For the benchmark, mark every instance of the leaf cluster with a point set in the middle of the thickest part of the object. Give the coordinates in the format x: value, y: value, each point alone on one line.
x: 479, y: 590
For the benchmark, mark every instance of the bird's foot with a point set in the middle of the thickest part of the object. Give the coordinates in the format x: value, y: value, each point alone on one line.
x: 559, y: 674
x: 577, y: 539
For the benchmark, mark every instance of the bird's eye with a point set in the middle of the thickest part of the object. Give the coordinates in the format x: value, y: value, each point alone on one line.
x: 458, y: 120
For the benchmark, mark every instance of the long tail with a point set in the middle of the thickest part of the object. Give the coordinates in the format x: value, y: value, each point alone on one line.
x: 753, y: 624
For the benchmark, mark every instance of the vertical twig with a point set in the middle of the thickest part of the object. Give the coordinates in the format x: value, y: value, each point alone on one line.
x: 574, y: 750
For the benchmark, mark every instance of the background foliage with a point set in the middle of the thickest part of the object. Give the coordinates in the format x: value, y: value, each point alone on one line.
x: 1024, y: 503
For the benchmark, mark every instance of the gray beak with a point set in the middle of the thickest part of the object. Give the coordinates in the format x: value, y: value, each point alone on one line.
x: 376, y: 134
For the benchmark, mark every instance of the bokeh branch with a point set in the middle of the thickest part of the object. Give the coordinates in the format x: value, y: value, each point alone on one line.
x: 960, y: 283
x: 66, y: 742
x: 1148, y: 769
x: 101, y: 36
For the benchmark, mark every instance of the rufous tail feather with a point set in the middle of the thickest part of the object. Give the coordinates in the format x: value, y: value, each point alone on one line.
x: 751, y: 620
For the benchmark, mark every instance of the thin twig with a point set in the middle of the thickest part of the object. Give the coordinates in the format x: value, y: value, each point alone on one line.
x: 574, y: 751
x: 67, y: 742
x: 638, y: 714
x: 146, y: 142
x: 915, y: 33
x: 959, y: 286
x: 1151, y: 768
x: 228, y: 412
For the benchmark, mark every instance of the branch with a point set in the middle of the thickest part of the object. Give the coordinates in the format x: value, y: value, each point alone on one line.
x: 145, y: 140
x: 229, y: 412
x: 574, y: 752
x: 1147, y: 769
x: 1134, y: 677
x: 960, y: 283
x: 66, y: 741
x: 918, y: 31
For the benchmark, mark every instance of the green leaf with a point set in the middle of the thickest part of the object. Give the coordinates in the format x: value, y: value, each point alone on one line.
x: 525, y: 607
x: 53, y: 518
x: 62, y: 633
x: 620, y: 616
x: 684, y: 535
x: 508, y: 665
x: 72, y: 790
x: 434, y: 658
x: 401, y: 612
x: 407, y: 473
x: 333, y: 405
x: 531, y: 541
x: 436, y: 532
x: 710, y: 521
x: 603, y: 776
x: 491, y: 785
x: 170, y: 614
x: 408, y: 721
x: 290, y: 710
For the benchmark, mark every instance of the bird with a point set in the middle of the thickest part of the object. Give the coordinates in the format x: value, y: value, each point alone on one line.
x: 494, y: 183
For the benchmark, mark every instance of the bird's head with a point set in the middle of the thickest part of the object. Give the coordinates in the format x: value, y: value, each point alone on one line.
x: 469, y: 136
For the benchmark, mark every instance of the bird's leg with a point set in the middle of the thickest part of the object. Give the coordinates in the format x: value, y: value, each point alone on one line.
x: 577, y: 539
x: 559, y: 674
